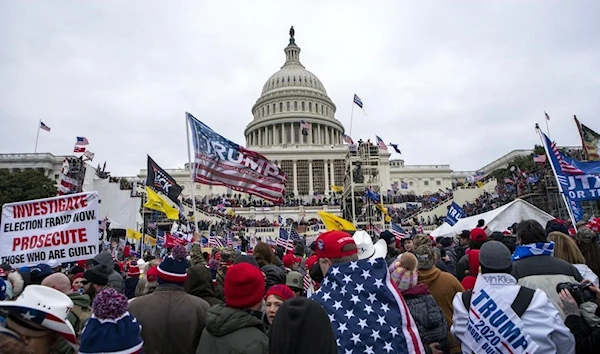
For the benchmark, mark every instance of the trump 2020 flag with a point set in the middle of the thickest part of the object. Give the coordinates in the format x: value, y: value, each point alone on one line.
x: 219, y: 161
x: 455, y: 212
x: 366, y: 310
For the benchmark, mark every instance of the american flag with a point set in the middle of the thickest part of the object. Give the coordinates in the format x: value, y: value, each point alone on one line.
x: 420, y: 228
x: 539, y: 158
x: 67, y: 185
x: 366, y: 311
x: 44, y: 126
x: 348, y: 140
x: 398, y: 231
x: 294, y: 235
x: 214, y: 241
x: 81, y: 140
x: 566, y: 167
x: 380, y: 143
x: 305, y: 125
x: 358, y: 101
x: 220, y: 161
x: 284, y: 240
x: 79, y: 149
x: 374, y: 229
x: 307, y: 281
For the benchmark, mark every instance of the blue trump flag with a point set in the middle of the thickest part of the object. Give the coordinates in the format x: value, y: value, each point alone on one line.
x: 575, y: 177
x: 455, y: 212
x: 366, y: 310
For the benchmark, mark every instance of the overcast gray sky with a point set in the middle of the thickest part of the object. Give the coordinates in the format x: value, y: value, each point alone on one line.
x: 451, y: 82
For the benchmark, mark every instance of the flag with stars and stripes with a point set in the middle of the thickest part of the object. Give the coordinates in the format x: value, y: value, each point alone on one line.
x: 219, y: 161
x: 366, y: 310
x: 380, y: 143
x: 284, y: 240
x: 399, y: 232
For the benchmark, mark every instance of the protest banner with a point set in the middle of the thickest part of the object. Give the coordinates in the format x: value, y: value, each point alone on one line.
x: 63, y: 228
x: 455, y: 212
x: 493, y: 326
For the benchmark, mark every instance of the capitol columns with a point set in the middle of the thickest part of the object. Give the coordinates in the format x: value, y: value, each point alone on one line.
x: 310, y: 178
x: 326, y: 174
x: 332, y: 169
x: 295, y: 179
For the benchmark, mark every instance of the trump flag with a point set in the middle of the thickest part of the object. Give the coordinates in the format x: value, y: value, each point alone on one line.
x: 219, y: 161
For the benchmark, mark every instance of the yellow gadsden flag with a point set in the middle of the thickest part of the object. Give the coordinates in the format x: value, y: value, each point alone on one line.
x: 156, y: 202
x: 334, y: 222
x: 337, y: 189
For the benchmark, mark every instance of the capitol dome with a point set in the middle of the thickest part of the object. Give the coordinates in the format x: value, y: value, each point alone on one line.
x: 293, y: 108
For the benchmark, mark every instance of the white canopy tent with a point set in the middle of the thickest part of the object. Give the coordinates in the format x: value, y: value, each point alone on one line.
x: 496, y: 220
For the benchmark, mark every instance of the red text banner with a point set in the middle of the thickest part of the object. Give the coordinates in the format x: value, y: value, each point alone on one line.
x: 63, y: 229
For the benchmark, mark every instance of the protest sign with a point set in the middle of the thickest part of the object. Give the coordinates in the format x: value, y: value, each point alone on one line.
x: 493, y: 326
x: 455, y: 212
x: 63, y: 229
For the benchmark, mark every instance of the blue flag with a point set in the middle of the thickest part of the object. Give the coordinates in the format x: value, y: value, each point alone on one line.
x: 367, y: 312
x: 454, y: 214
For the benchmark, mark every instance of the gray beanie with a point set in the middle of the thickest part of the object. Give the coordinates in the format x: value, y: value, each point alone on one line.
x: 495, y: 255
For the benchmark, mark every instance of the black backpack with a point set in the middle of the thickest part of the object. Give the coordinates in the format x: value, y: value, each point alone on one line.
x: 519, y: 306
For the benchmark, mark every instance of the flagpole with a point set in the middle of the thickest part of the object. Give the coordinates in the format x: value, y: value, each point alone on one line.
x: 351, y: 117
x: 37, y: 137
x: 548, y: 152
x: 547, y: 126
x: 192, y: 186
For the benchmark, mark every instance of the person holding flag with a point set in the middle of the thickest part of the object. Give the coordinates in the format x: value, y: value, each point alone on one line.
x: 367, y: 311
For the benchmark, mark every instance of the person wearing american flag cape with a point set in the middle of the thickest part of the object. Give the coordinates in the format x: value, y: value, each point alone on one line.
x: 366, y: 310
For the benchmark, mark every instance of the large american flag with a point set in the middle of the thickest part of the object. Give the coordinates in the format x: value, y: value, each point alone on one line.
x: 220, y: 161
x: 366, y: 310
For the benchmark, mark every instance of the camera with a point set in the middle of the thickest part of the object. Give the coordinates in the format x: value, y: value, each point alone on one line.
x: 580, y: 292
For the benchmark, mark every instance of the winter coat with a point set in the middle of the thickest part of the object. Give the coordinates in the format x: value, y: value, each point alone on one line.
x: 545, y: 272
x: 541, y: 319
x: 428, y: 317
x: 587, y: 339
x: 130, y: 285
x: 232, y: 331
x: 115, y: 280
x: 82, y: 311
x: 199, y: 283
x: 274, y: 274
x: 442, y: 286
x: 171, y: 320
x: 461, y: 266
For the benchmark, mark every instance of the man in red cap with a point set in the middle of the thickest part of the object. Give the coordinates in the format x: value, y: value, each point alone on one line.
x: 366, y: 311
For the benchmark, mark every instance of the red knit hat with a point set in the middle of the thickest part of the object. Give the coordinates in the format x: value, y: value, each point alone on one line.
x: 282, y: 291
x: 330, y: 243
x: 152, y: 274
x: 244, y: 286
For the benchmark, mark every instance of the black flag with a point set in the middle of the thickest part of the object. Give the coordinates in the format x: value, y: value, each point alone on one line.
x: 161, y: 181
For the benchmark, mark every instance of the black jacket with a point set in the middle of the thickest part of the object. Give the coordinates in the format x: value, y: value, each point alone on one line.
x: 587, y: 340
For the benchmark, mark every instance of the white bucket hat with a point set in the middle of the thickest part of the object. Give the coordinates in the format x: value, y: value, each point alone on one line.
x: 366, y: 248
x: 46, y: 307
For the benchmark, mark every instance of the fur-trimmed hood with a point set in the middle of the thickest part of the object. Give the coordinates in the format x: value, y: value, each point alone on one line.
x: 17, y: 284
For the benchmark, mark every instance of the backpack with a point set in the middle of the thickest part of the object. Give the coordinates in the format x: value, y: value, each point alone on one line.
x: 519, y: 306
x: 82, y: 315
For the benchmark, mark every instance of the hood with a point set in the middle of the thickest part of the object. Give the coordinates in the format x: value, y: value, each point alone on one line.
x: 419, y: 289
x: 105, y: 258
x: 222, y: 320
x: 17, y: 282
x: 428, y: 276
x: 274, y: 274
x: 82, y: 300
x: 199, y: 283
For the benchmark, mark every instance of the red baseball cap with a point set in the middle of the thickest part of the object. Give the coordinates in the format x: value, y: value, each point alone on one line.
x: 290, y: 259
x: 310, y: 262
x: 330, y: 244
x: 478, y: 234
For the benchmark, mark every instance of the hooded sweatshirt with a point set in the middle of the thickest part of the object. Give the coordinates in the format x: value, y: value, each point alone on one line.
x: 230, y: 330
x: 115, y: 280
x: 302, y: 326
x: 443, y: 286
x: 199, y: 283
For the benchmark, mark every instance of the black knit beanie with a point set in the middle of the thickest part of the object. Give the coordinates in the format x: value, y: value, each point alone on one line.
x: 296, y: 320
x: 98, y: 274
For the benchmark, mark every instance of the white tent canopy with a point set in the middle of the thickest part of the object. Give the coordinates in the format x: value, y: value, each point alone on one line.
x: 496, y: 220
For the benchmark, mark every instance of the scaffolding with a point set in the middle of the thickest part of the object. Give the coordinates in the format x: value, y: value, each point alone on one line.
x: 362, y: 173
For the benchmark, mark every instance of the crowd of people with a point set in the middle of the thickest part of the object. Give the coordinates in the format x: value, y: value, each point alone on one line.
x: 345, y: 292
